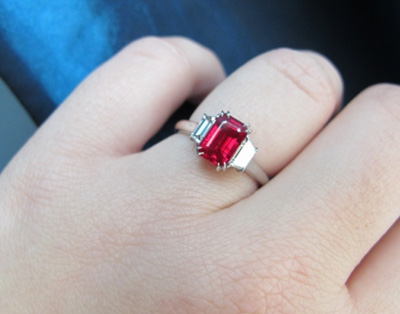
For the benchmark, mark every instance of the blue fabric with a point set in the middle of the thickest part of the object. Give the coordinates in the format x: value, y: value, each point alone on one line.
x: 57, y: 43
x: 48, y: 47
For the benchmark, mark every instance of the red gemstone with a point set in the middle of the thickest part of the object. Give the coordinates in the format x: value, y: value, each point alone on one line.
x: 222, y: 140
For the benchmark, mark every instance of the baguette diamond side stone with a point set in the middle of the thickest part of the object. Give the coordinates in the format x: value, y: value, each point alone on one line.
x: 202, y: 129
x: 244, y: 155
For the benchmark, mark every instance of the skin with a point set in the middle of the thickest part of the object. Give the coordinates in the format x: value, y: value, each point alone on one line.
x: 90, y: 223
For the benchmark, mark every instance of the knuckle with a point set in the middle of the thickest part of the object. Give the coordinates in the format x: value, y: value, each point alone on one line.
x: 32, y: 187
x: 305, y: 71
x: 281, y: 284
x: 330, y: 207
x: 54, y: 173
x: 161, y: 51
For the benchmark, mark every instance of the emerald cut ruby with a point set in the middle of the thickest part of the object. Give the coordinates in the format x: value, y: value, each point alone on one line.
x: 222, y: 140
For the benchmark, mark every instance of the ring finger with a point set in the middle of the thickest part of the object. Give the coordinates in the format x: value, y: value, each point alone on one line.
x: 287, y: 96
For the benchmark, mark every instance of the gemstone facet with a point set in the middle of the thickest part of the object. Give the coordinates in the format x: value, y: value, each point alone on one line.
x: 223, y: 139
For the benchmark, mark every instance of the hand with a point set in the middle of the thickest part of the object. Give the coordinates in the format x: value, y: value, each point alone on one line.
x: 90, y: 223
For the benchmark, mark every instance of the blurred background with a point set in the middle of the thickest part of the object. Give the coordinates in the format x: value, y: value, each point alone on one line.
x: 48, y: 47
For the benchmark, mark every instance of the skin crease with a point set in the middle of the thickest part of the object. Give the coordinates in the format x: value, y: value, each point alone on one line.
x: 90, y: 223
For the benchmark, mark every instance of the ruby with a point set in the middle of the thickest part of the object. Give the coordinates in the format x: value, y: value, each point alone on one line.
x: 222, y: 140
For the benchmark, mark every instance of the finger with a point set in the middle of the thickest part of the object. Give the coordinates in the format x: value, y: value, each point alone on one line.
x: 124, y: 102
x: 340, y: 195
x: 287, y: 96
x: 378, y: 275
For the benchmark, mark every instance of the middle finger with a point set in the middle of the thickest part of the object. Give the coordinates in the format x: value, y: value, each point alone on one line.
x: 340, y: 195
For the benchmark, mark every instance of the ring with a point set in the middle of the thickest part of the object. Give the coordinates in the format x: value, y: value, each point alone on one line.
x: 224, y: 141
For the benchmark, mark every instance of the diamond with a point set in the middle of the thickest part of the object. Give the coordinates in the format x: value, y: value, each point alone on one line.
x: 202, y: 129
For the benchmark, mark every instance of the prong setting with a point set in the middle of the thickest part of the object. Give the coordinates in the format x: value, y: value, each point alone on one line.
x: 199, y: 150
x: 222, y: 167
